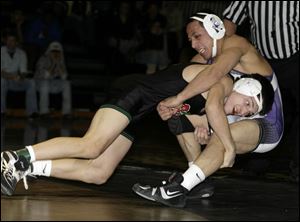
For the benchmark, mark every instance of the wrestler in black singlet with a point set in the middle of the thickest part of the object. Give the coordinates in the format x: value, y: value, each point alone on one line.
x: 152, y: 89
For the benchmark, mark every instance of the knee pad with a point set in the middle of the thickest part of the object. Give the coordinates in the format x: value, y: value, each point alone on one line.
x: 180, y: 124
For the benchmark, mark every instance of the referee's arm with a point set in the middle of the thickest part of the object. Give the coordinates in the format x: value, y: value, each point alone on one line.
x: 233, y: 16
x: 230, y: 27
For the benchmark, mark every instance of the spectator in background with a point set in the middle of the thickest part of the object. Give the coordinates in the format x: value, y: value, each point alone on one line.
x: 79, y: 24
x: 2, y: 38
x: 44, y: 29
x: 275, y: 32
x: 154, y: 49
x: 124, y: 40
x: 51, y: 77
x: 59, y: 9
x: 17, y: 24
x: 40, y: 32
x: 13, y: 75
x: 175, y: 28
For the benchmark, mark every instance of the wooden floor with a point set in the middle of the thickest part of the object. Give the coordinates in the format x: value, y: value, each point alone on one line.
x: 238, y: 195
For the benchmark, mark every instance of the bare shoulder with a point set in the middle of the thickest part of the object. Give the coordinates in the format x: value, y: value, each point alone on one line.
x: 251, y: 60
x: 236, y: 41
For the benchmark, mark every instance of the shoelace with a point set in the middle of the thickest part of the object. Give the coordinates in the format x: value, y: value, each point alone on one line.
x: 3, y: 164
x: 25, y: 182
x: 170, y: 179
x: 10, y: 171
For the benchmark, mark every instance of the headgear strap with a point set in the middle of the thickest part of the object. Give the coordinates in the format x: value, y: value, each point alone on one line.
x: 214, y: 27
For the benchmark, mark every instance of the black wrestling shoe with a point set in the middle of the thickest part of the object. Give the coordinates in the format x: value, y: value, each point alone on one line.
x: 171, y: 193
x: 13, y: 169
x: 8, y: 158
x: 204, y: 189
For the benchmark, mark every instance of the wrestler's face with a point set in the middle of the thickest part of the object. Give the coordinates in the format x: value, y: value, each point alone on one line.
x: 199, y: 38
x: 240, y: 105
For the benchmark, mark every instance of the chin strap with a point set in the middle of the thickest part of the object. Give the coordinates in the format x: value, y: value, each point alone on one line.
x: 214, y: 49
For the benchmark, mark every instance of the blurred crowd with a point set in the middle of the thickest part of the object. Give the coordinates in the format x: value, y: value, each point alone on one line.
x: 135, y: 35
x: 37, y: 37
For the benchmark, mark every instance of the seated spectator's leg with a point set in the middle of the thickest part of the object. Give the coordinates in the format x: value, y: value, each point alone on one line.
x: 4, y: 87
x: 31, y: 99
x: 151, y: 68
x: 152, y: 61
x: 64, y: 87
x: 163, y: 59
x: 43, y: 88
x: 66, y: 97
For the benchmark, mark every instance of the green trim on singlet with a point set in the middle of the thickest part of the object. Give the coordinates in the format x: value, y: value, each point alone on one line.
x: 118, y: 109
x: 128, y: 136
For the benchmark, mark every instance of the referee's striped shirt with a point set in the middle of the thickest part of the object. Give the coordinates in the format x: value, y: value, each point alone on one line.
x: 274, y: 25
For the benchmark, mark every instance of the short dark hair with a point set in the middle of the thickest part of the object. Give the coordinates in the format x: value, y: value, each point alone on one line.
x: 267, y: 92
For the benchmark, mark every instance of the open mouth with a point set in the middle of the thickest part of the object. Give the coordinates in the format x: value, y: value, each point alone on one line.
x: 202, y: 50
